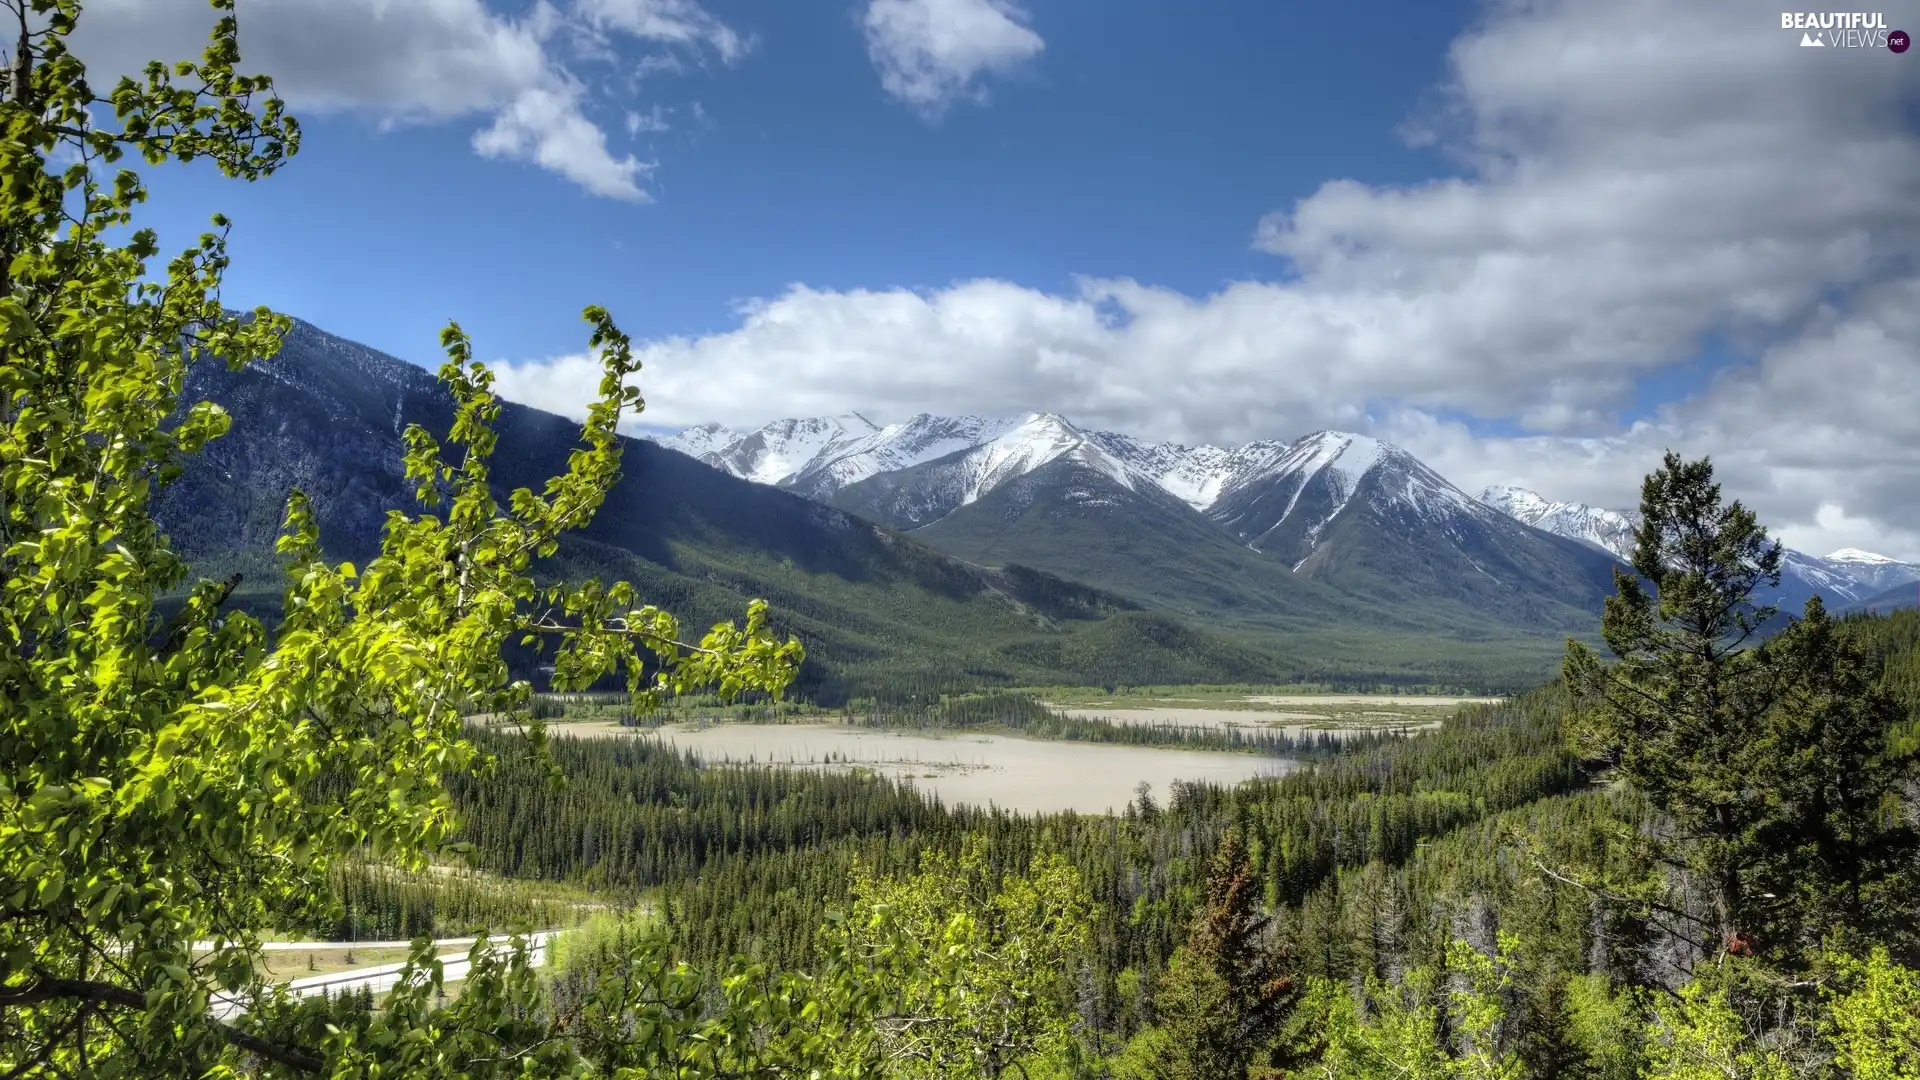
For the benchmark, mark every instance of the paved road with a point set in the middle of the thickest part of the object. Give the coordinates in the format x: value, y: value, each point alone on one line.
x: 381, y: 977
x: 334, y: 946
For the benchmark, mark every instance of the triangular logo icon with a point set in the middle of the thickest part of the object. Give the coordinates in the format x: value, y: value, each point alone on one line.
x: 1808, y: 40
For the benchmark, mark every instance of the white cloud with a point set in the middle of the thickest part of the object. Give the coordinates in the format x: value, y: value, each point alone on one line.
x: 653, y: 121
x: 428, y: 61
x: 677, y: 22
x: 544, y: 125
x: 1634, y: 178
x: 933, y: 53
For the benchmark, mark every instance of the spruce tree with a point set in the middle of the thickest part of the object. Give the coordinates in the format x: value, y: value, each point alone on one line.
x: 1548, y: 1045
x: 1227, y: 991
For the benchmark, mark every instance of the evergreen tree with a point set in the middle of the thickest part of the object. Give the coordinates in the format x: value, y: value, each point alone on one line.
x: 1678, y: 716
x: 1227, y: 992
x: 1548, y: 1046
x: 1771, y: 762
x: 1837, y: 852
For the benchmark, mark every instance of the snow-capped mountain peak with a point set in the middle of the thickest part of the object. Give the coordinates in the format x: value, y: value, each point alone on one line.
x: 1867, y: 558
x: 892, y: 448
x: 1609, y: 530
x: 1871, y: 573
x: 701, y: 439
x: 1517, y: 501
x: 776, y: 451
x: 1196, y: 475
x: 821, y: 456
x: 1349, y: 455
x: 1038, y: 439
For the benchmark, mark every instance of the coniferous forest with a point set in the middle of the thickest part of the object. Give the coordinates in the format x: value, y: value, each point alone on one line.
x: 1385, y: 880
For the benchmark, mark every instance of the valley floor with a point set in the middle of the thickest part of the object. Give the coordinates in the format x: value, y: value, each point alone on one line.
x: 1016, y: 772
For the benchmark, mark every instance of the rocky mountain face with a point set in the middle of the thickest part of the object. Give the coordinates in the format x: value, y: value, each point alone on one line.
x: 1021, y: 549
x: 1326, y: 523
x: 1609, y: 530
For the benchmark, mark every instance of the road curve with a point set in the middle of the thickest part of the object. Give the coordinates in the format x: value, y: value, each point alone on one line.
x: 381, y: 977
x: 335, y: 946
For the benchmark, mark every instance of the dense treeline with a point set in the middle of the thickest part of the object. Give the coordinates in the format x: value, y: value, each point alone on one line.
x: 379, y: 903
x: 1017, y: 712
x: 1496, y: 868
x: 1026, y: 715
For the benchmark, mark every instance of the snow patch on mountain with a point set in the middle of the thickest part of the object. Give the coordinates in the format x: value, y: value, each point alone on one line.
x: 1041, y: 438
x: 701, y: 440
x: 1873, y: 573
x: 1855, y: 555
x: 1828, y: 579
x: 784, y: 447
x: 1609, y: 530
x: 772, y: 453
x: 1196, y: 475
x: 892, y: 448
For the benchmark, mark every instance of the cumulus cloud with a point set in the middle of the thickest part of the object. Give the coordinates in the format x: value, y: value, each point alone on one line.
x: 544, y: 125
x: 932, y: 54
x: 1633, y: 180
x: 430, y: 61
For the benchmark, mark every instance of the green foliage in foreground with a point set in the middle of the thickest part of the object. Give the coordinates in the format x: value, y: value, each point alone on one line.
x: 161, y: 780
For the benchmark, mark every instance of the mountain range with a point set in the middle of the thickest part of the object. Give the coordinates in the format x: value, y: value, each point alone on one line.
x: 878, y: 611
x: 1329, y: 529
x: 961, y: 551
x: 1362, y: 515
x: 882, y: 610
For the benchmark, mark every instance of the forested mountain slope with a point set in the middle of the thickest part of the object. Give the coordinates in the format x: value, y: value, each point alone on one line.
x: 326, y: 416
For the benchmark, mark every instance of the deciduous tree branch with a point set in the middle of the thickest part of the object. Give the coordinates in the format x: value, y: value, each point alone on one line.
x: 47, y: 988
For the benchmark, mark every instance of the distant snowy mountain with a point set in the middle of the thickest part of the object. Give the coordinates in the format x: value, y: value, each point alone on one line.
x: 1271, y: 494
x: 1196, y: 475
x: 774, y: 453
x: 1609, y: 530
x: 1286, y: 503
x: 820, y: 456
x: 1874, y: 573
x: 893, y: 448
x: 1160, y: 520
x: 701, y: 441
x: 1845, y: 576
x: 928, y: 490
x: 1345, y: 509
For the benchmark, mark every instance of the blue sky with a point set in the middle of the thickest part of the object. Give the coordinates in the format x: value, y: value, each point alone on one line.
x: 1536, y: 242
x: 1146, y: 144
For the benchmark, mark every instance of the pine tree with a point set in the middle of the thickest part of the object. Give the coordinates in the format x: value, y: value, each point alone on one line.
x: 1679, y: 714
x: 1771, y: 761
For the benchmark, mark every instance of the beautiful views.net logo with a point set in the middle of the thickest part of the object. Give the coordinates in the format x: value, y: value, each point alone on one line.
x: 1845, y: 30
